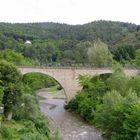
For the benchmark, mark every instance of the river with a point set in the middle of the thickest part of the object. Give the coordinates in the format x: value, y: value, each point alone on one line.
x: 70, y: 125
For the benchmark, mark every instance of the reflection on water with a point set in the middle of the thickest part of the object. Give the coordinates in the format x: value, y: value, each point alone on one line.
x: 71, y: 126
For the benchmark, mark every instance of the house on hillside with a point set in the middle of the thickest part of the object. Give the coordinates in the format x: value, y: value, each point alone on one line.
x: 28, y: 42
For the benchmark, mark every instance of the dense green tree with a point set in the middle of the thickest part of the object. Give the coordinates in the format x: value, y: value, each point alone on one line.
x: 20, y: 103
x: 43, y: 52
x: 37, y: 81
x: 134, y: 84
x: 88, y: 99
x: 28, y: 108
x: 80, y: 52
x: 108, y: 113
x: 118, y: 116
x: 99, y: 54
x: 1, y: 95
x: 118, y: 81
x: 125, y: 52
x: 137, y: 60
x: 16, y: 58
x: 131, y: 124
x: 10, y: 79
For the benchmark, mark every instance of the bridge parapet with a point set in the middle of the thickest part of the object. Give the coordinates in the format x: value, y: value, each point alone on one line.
x: 70, y: 67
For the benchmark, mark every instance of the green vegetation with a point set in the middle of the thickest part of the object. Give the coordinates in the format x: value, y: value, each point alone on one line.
x: 22, y: 119
x: 137, y: 60
x: 25, y: 130
x: 37, y: 81
x: 124, y: 53
x: 16, y: 58
x: 10, y: 82
x: 111, y: 103
x: 99, y: 54
x: 54, y: 44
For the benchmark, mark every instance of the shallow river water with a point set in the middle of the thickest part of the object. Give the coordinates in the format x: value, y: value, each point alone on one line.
x: 70, y: 125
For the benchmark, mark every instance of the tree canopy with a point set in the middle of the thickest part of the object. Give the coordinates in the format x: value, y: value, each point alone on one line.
x: 62, y: 44
x: 99, y: 54
x: 111, y: 104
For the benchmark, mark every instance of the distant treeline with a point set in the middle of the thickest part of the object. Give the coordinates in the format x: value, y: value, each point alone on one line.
x: 57, y: 44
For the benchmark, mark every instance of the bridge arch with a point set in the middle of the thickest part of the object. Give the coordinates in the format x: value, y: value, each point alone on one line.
x: 59, y: 82
x: 68, y: 78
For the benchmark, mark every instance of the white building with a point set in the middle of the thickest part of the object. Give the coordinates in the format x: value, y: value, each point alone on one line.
x: 28, y: 42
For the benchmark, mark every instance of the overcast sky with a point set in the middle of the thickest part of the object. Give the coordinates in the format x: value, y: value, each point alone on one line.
x: 69, y: 11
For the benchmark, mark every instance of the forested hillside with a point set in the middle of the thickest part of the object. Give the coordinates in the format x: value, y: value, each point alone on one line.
x: 57, y: 44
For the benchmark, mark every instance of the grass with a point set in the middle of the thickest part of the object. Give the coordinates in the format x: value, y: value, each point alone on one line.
x: 52, y: 92
x: 13, y: 124
x: 54, y: 88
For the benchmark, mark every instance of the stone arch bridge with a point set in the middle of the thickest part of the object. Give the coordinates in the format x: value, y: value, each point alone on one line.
x: 68, y: 77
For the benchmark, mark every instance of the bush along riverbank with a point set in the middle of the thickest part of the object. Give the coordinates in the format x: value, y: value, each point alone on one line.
x: 21, y: 119
x: 111, y: 103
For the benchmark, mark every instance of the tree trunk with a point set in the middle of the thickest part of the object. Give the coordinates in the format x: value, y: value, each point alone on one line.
x: 9, y: 116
